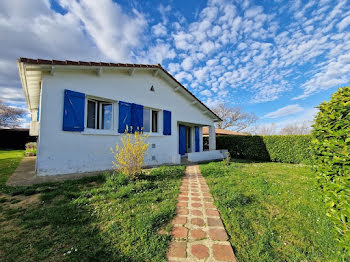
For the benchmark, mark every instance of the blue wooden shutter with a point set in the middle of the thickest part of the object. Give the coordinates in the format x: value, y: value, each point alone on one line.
x: 124, y: 116
x: 182, y: 140
x: 196, y: 138
x: 73, y: 114
x: 136, y: 117
x: 38, y: 114
x: 167, y: 123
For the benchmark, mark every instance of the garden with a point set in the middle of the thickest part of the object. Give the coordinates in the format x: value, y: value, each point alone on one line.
x: 281, y: 198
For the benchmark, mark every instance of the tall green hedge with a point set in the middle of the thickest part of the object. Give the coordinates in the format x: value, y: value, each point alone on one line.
x: 331, y: 147
x: 286, y: 148
x: 289, y: 148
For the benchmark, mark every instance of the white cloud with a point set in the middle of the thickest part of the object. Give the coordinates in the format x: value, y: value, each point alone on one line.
x: 344, y: 23
x: 206, y: 92
x: 159, y: 30
x: 183, y: 76
x: 187, y: 63
x: 284, y: 111
x: 207, y: 47
x: 113, y: 31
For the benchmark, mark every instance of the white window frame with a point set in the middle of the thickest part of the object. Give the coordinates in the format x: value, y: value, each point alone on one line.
x: 151, y: 129
x: 150, y: 120
x: 99, y: 102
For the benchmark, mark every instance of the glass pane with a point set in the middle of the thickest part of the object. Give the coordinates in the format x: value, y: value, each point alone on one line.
x: 154, y: 121
x: 91, y: 114
x: 107, y: 112
x: 146, y: 120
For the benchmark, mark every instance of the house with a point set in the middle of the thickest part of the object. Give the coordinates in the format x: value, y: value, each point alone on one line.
x: 79, y: 110
x: 222, y: 132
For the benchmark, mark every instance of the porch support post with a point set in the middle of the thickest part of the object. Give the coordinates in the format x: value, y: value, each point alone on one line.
x: 212, y: 138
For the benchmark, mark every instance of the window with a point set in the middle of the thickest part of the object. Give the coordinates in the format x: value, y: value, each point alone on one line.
x: 154, y: 121
x: 99, y: 114
x: 146, y: 120
x: 150, y: 120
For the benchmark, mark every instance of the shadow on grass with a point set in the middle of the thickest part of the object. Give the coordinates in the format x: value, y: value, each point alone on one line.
x: 103, y: 218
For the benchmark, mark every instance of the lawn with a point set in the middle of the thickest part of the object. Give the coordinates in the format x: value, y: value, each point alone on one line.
x: 272, y: 211
x: 102, y: 218
x: 9, y: 160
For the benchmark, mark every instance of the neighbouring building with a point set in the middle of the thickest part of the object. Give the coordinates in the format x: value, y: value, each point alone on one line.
x: 81, y: 109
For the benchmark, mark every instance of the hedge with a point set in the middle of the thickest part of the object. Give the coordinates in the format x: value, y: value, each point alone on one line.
x: 278, y: 148
x: 331, y: 148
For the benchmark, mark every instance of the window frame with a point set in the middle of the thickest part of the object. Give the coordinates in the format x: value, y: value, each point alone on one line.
x: 151, y: 120
x: 98, y: 113
x: 156, y: 122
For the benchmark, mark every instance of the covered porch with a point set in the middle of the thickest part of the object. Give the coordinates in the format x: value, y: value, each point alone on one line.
x: 190, y: 146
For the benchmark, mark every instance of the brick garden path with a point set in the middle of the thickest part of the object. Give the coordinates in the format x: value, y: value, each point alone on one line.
x: 198, y: 232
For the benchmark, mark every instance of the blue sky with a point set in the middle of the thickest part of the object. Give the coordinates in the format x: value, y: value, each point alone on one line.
x: 278, y: 59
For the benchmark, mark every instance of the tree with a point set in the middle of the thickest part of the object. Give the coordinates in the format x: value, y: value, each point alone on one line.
x: 233, y: 117
x: 265, y: 130
x: 296, y: 129
x: 10, y: 116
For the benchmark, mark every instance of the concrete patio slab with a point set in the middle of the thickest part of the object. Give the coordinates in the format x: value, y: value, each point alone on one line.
x: 25, y: 175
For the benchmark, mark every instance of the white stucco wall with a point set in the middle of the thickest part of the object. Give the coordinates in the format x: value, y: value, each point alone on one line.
x: 207, y: 155
x: 62, y: 152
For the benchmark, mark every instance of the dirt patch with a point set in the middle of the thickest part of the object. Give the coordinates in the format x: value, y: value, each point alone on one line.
x: 25, y: 201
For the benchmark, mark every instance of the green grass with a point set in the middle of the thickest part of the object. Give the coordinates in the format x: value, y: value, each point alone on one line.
x: 273, y: 212
x: 9, y: 160
x: 102, y: 218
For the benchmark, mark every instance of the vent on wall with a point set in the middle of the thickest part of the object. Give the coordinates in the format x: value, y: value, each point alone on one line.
x: 153, y: 157
x: 153, y: 145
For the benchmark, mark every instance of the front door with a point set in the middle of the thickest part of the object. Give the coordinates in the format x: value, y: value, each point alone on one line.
x: 182, y: 140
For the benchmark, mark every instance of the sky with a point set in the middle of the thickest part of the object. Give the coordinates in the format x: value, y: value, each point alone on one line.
x: 278, y: 59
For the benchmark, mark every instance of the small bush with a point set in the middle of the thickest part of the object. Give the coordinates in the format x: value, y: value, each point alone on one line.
x: 129, y: 157
x: 31, y: 148
x: 331, y: 148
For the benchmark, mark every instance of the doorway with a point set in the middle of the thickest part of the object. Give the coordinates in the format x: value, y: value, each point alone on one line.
x: 185, y: 138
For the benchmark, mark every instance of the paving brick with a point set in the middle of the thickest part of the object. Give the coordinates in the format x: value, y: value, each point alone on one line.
x: 182, y: 198
x: 197, y: 234
x: 218, y: 234
x: 182, y: 211
x: 179, y: 232
x: 182, y: 204
x: 197, y: 221
x: 196, y: 204
x: 179, y: 220
x: 196, y: 199
x: 196, y: 212
x: 177, y: 249
x: 209, y: 205
x: 223, y: 252
x: 214, y: 222
x: 200, y: 251
x: 207, y: 195
x: 212, y: 212
x: 194, y: 190
x: 195, y: 194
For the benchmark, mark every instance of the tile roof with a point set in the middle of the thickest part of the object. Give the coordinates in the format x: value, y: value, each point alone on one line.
x: 219, y: 131
x: 91, y: 63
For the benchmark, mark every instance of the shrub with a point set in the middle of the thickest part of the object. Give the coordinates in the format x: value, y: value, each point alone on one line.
x: 129, y: 157
x: 31, y: 148
x: 331, y: 148
x: 246, y: 147
x: 289, y: 148
x: 286, y: 148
